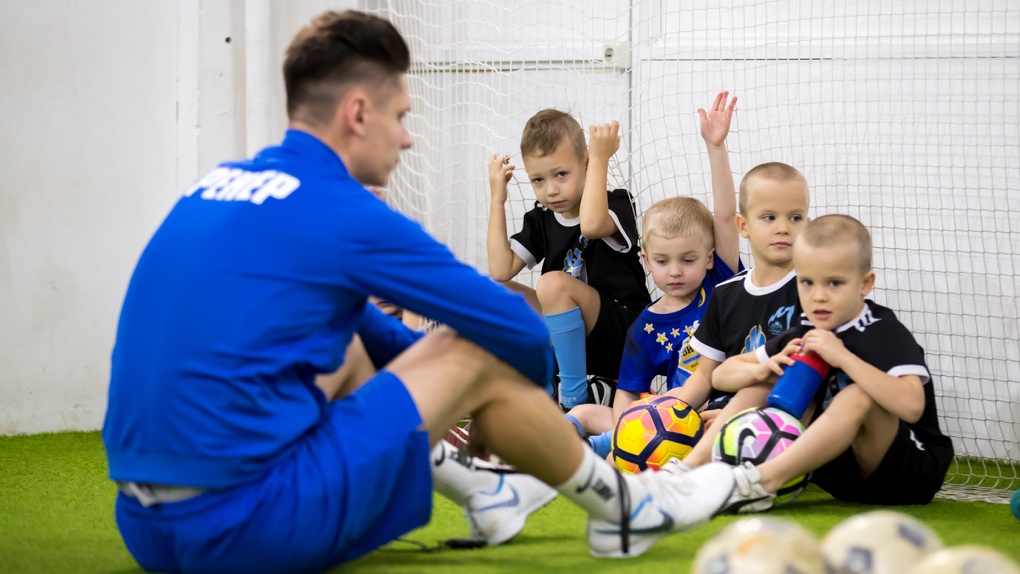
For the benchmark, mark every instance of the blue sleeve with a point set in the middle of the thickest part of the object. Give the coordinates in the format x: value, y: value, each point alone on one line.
x: 392, y: 257
x: 636, y: 370
x: 720, y: 271
x: 384, y: 337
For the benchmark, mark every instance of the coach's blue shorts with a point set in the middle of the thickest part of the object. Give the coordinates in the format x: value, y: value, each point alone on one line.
x: 355, y: 482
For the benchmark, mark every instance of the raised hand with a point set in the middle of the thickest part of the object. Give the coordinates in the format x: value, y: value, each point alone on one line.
x: 773, y: 368
x: 715, y: 124
x: 500, y: 174
x: 828, y: 346
x: 603, y: 140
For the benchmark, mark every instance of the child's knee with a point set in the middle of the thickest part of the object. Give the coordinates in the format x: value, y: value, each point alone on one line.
x: 553, y: 283
x: 854, y: 402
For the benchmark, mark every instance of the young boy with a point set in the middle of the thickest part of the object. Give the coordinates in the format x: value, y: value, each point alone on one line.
x: 592, y: 286
x: 688, y: 252
x: 760, y: 303
x: 875, y: 435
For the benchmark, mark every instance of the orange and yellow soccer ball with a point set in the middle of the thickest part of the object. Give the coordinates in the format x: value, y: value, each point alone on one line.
x: 653, y: 430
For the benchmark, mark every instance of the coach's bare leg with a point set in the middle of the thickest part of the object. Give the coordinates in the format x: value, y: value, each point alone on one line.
x: 356, y: 370
x: 529, y: 294
x: 450, y: 377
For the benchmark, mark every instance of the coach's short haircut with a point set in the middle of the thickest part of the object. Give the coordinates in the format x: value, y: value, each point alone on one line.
x: 775, y: 171
x: 334, y: 52
x: 677, y: 216
x: 839, y: 230
x: 546, y: 130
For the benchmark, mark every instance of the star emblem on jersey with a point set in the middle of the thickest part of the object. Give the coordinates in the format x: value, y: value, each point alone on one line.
x: 675, y: 332
x: 669, y: 347
x: 649, y: 328
x: 661, y: 339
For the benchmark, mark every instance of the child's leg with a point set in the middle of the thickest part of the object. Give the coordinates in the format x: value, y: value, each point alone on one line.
x: 594, y: 419
x: 853, y: 419
x: 571, y: 309
x: 529, y: 294
x: 755, y: 396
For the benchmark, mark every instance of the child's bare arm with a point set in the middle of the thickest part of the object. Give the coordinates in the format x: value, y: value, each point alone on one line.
x: 698, y: 386
x: 744, y: 370
x: 504, y: 264
x: 902, y: 396
x: 715, y: 126
x: 596, y: 223
x: 621, y: 401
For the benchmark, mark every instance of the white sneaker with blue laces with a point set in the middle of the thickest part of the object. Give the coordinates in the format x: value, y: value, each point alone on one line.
x: 499, y: 515
x: 655, y: 504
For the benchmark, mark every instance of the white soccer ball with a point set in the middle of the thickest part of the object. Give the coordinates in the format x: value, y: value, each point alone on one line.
x: 966, y: 560
x: 878, y: 542
x: 760, y: 546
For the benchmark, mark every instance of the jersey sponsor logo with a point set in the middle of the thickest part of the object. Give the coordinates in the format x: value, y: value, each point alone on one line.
x: 234, y: 184
x: 573, y: 265
x: 755, y: 338
x: 780, y: 320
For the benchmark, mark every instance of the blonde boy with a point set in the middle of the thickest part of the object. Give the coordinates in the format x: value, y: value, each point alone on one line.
x: 875, y: 435
x: 688, y: 251
x: 592, y: 285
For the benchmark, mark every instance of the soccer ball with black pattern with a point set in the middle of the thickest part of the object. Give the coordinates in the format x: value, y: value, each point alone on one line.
x: 969, y: 559
x: 878, y: 542
x: 758, y: 435
x: 653, y: 430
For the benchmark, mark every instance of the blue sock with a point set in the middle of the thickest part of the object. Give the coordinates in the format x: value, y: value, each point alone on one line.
x: 602, y: 444
x: 577, y: 424
x: 567, y: 332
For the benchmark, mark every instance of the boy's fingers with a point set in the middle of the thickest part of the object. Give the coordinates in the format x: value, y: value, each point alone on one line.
x: 718, y: 98
x: 704, y: 116
x: 733, y: 104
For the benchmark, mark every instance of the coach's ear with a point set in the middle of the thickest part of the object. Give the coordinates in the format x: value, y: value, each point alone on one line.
x: 353, y: 109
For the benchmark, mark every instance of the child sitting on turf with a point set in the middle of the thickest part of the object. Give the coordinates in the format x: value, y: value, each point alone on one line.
x: 875, y: 434
x: 592, y: 286
x: 687, y: 252
x: 759, y: 303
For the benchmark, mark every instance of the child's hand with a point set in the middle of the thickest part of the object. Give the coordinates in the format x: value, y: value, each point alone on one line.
x: 500, y: 174
x: 603, y: 140
x: 827, y: 345
x: 776, y: 364
x: 715, y: 125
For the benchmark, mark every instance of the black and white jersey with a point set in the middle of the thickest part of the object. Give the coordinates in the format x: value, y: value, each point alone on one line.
x: 609, y: 265
x: 741, y: 316
x: 878, y: 338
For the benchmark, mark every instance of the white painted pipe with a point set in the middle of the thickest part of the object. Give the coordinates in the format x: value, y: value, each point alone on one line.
x: 258, y: 60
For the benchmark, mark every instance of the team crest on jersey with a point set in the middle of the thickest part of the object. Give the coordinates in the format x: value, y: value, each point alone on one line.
x: 835, y: 384
x: 754, y: 339
x: 687, y: 363
x: 573, y: 265
x: 780, y: 320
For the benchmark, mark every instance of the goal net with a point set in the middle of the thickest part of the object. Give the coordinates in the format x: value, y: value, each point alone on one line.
x: 905, y: 117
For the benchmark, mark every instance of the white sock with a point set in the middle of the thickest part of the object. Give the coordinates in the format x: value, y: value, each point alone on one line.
x: 455, y: 477
x: 595, y: 487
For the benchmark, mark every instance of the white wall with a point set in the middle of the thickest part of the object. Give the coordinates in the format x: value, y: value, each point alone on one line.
x: 108, y: 110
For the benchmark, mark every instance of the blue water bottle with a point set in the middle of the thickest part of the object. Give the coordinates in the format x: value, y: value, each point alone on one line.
x: 798, y: 383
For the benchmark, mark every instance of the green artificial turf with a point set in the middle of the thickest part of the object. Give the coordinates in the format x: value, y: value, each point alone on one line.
x: 56, y: 515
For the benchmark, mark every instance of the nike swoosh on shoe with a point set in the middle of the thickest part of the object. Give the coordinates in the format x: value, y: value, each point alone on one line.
x: 508, y: 503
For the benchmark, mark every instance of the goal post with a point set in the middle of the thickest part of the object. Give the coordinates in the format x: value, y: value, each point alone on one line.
x: 907, y: 118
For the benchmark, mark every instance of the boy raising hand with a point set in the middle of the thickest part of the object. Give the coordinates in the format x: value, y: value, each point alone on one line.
x: 592, y: 286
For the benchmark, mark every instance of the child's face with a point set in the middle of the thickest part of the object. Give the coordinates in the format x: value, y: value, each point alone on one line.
x: 678, y: 265
x: 776, y: 213
x: 830, y: 282
x: 558, y: 179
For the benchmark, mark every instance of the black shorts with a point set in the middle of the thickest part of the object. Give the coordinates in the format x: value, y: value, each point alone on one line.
x: 907, y: 474
x: 604, y: 345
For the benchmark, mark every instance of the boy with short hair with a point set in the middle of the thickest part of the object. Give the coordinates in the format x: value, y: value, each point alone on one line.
x: 758, y: 303
x: 592, y: 285
x: 874, y: 437
x: 688, y: 251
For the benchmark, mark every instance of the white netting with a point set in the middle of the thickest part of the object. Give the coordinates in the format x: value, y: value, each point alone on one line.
x: 904, y: 117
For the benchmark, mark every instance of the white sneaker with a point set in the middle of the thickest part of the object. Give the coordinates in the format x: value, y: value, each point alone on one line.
x: 657, y: 503
x: 499, y: 515
x: 748, y: 496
